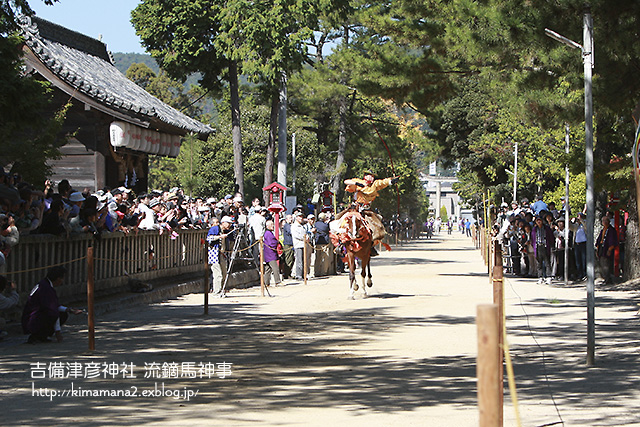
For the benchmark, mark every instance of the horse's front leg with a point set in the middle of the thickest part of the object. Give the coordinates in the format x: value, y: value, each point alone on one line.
x: 369, y: 280
x: 363, y: 275
x: 353, y: 286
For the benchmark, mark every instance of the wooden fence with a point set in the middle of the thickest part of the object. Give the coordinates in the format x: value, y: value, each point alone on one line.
x: 144, y: 256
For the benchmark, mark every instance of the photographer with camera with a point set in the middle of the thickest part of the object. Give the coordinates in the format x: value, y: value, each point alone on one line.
x: 216, y: 239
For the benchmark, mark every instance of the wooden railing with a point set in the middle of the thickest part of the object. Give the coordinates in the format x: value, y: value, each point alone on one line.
x: 144, y: 256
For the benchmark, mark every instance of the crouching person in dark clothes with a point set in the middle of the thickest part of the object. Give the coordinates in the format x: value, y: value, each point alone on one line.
x: 43, y: 316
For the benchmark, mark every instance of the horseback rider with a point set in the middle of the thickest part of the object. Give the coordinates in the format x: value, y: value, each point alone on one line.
x: 366, y: 191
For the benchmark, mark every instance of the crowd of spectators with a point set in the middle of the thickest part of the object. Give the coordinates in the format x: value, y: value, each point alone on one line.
x: 534, y: 241
x: 62, y: 210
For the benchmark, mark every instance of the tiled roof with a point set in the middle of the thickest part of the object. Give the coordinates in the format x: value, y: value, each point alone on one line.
x: 85, y: 64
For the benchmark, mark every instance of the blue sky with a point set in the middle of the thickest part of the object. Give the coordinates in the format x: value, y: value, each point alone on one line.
x: 109, y: 18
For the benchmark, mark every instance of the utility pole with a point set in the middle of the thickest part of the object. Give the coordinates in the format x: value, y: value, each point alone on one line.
x: 587, y: 54
x: 566, y: 207
x: 587, y: 57
x: 515, y: 171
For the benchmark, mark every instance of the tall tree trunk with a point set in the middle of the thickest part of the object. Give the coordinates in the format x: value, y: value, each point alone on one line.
x: 632, y: 243
x: 271, y: 144
x: 236, y: 134
x: 342, y: 145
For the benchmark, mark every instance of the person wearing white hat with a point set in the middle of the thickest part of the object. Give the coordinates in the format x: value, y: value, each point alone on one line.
x: 149, y: 222
x: 215, y: 237
x: 257, y: 227
x: 298, y: 234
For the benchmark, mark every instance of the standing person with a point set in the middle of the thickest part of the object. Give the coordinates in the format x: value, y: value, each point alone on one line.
x: 322, y: 229
x: 255, y: 207
x: 542, y: 239
x: 310, y: 228
x: 148, y: 216
x: 580, y: 245
x: 55, y: 220
x: 530, y: 254
x: 299, y: 235
x: 257, y: 228
x: 271, y: 255
x: 43, y: 316
x: 558, y: 249
x: 539, y: 205
x: 288, y: 256
x: 606, y: 245
x: 214, y: 240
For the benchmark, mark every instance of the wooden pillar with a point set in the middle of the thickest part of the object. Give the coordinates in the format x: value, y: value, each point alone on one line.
x: 488, y: 367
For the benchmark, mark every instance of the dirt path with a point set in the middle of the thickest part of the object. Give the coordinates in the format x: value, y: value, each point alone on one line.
x: 308, y: 356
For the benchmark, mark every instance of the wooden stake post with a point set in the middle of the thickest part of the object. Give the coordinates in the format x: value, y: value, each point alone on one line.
x: 498, y: 300
x: 207, y: 271
x: 488, y: 367
x: 90, y: 307
x: 262, y: 266
x: 304, y: 261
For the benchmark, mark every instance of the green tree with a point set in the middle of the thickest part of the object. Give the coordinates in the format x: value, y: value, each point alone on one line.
x: 29, y: 129
x: 166, y: 172
x: 222, y: 39
x: 444, y: 216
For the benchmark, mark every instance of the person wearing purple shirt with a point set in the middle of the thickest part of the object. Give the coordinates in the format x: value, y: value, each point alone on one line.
x: 43, y: 315
x: 542, y: 240
x: 271, y: 255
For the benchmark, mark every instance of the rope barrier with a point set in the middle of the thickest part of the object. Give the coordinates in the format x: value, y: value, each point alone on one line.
x: 148, y: 259
x: 46, y: 267
x: 507, y: 357
x: 544, y: 365
x: 241, y: 250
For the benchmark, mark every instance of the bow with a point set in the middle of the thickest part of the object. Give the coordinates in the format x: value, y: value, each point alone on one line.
x: 393, y: 170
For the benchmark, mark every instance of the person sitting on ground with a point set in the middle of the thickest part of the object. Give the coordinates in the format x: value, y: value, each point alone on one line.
x: 9, y: 299
x: 43, y: 316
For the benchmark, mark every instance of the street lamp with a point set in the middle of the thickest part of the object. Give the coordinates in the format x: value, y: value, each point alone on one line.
x: 587, y: 56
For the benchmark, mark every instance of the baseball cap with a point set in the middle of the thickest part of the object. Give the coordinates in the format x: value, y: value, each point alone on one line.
x: 227, y: 219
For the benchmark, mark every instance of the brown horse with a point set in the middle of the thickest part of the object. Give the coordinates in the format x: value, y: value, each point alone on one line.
x: 356, y: 237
